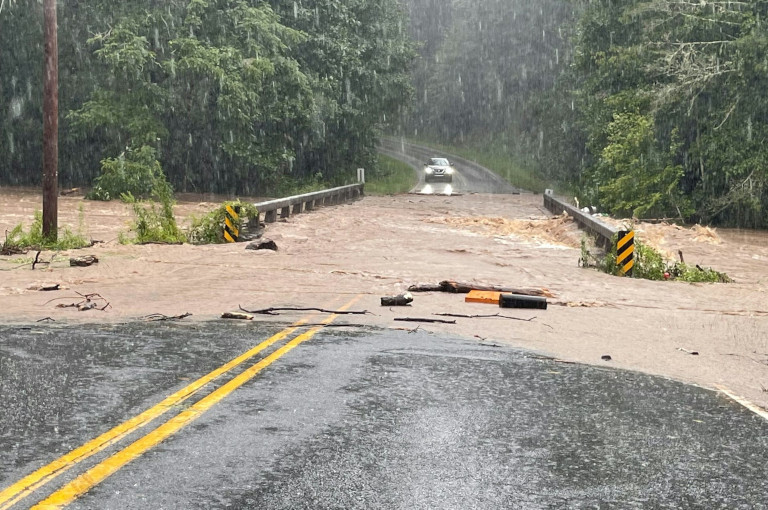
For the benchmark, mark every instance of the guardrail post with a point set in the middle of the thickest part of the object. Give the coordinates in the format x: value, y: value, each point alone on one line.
x: 297, y: 208
x: 361, y: 175
x: 285, y: 212
x: 270, y: 216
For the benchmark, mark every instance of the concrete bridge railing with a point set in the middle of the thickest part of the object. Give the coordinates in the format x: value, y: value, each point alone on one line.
x: 601, y: 230
x: 270, y: 210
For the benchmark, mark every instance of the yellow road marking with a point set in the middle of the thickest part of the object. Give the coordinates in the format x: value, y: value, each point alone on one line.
x: 746, y: 403
x: 19, y: 490
x: 109, y: 466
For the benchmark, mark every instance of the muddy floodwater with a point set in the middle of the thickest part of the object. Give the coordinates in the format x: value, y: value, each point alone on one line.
x: 380, y: 246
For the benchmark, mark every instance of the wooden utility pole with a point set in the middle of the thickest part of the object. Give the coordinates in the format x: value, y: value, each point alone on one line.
x: 50, y: 123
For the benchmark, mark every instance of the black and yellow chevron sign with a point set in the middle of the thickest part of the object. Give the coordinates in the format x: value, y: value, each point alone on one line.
x: 625, y: 251
x: 231, y: 232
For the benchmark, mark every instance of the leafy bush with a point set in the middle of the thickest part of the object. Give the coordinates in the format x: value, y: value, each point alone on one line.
x: 650, y: 265
x: 155, y: 222
x: 18, y: 241
x: 134, y: 173
x: 209, y: 229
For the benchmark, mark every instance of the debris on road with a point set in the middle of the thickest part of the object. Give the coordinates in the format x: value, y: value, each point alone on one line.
x: 272, y: 310
x: 483, y: 296
x: 83, y: 261
x: 418, y: 319
x: 606, y: 357
x: 155, y: 317
x: 692, y: 353
x: 262, y: 244
x: 38, y: 261
x: 403, y: 299
x: 495, y: 315
x: 48, y: 288
x: 522, y: 301
x: 465, y: 287
x: 90, y: 302
x: 237, y: 315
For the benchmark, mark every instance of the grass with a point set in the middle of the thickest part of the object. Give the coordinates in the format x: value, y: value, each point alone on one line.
x: 20, y: 241
x: 391, y: 177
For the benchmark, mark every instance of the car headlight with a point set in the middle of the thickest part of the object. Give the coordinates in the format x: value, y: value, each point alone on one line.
x: 429, y: 170
x: 449, y: 170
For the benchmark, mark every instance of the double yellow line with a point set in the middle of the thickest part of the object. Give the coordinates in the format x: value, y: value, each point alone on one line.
x: 83, y: 483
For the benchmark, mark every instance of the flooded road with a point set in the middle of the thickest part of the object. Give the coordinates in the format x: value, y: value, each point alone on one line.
x: 363, y: 418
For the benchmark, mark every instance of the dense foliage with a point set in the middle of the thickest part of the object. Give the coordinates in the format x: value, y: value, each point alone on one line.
x: 241, y: 96
x: 653, y: 108
x: 487, y: 78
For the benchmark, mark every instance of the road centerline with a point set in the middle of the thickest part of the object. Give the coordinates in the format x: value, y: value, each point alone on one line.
x: 33, y: 481
x: 98, y: 473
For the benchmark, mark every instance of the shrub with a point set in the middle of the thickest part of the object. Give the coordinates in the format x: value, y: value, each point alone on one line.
x: 135, y: 172
x: 650, y: 265
x: 209, y: 229
x: 154, y: 222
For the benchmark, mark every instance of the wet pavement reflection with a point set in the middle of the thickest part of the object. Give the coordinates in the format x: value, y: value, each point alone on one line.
x: 375, y: 419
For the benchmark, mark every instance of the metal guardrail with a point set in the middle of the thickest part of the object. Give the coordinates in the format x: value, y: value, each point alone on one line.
x: 307, y: 202
x: 603, y: 231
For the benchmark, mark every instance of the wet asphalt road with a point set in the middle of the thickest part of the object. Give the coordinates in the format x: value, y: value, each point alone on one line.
x: 370, y: 419
x: 470, y: 177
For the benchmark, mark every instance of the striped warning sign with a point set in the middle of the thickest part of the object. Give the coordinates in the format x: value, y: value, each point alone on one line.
x: 625, y: 251
x: 231, y: 220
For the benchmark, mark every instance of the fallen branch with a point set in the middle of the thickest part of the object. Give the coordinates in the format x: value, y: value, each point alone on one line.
x: 409, y: 330
x: 417, y: 319
x: 334, y: 325
x: 483, y: 316
x: 88, y: 303
x: 271, y: 311
x: 465, y: 287
x: 154, y: 317
x: 46, y: 319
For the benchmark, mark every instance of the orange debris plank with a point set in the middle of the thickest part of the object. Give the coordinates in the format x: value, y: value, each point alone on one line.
x: 483, y: 296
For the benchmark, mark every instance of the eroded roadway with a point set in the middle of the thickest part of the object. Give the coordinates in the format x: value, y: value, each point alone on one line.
x: 358, y: 418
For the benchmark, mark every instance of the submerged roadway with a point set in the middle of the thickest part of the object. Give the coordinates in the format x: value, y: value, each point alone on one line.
x: 327, y: 412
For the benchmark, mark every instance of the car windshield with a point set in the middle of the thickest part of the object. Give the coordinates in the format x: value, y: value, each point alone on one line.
x: 438, y: 162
